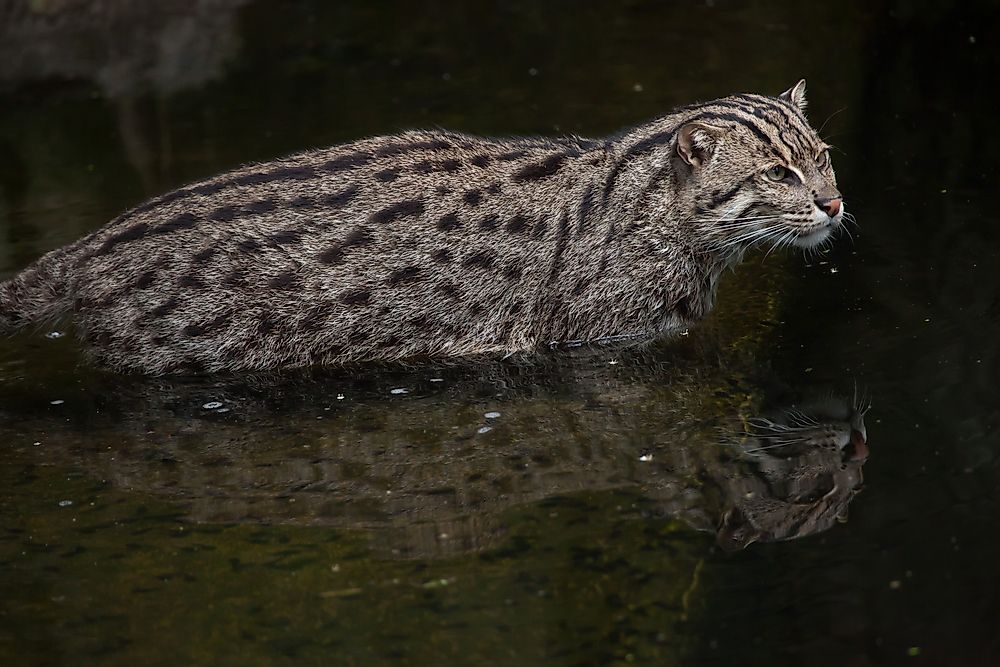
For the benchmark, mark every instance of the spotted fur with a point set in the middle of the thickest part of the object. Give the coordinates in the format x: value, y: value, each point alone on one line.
x: 430, y: 244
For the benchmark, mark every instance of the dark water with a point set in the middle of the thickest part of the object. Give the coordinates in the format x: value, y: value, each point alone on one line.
x: 388, y: 515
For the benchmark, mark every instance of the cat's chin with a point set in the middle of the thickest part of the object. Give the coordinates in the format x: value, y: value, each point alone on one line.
x: 813, y: 239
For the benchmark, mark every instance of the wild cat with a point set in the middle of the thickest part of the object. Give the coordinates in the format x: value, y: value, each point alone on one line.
x: 439, y: 244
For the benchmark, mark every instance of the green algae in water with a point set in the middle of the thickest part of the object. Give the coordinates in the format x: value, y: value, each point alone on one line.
x: 117, y: 579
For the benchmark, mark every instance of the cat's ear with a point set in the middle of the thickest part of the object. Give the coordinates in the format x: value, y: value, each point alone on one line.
x: 796, y: 95
x: 696, y: 141
x: 736, y: 533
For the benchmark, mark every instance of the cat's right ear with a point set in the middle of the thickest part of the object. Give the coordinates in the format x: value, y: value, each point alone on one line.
x: 796, y: 95
x: 696, y: 142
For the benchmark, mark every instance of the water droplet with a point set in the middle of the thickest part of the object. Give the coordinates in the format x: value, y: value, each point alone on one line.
x: 65, y: 503
x: 340, y: 397
x: 637, y: 88
x: 36, y: 444
x: 437, y: 379
x: 399, y: 390
x: 645, y: 458
x: 484, y: 429
x: 532, y: 71
x: 52, y: 335
x: 221, y: 410
x: 492, y: 415
x: 58, y: 401
x: 212, y: 405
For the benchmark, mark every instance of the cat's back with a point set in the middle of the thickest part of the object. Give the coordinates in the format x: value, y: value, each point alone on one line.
x: 450, y: 180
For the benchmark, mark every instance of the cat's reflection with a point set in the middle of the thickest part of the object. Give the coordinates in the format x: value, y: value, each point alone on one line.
x: 805, y: 467
x: 432, y: 464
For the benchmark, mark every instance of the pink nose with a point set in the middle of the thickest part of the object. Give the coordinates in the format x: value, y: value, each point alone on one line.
x: 829, y: 206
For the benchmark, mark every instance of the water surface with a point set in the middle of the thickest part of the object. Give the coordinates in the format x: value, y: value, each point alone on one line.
x: 570, y: 510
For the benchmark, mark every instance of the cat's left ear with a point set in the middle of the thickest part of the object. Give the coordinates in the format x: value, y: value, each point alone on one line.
x: 796, y: 95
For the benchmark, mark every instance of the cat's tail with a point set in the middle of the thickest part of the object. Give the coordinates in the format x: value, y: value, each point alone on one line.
x: 37, y: 295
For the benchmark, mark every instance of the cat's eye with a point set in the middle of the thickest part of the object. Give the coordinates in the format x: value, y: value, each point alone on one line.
x: 777, y: 173
x: 823, y: 160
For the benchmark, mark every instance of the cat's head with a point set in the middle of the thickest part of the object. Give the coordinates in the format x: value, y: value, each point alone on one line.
x: 758, y: 173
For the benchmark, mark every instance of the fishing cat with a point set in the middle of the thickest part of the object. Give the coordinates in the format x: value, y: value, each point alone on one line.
x: 438, y: 244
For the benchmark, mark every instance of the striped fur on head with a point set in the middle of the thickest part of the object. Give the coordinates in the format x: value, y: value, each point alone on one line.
x: 749, y: 169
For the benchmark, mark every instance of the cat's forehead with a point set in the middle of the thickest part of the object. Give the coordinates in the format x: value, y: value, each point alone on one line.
x: 779, y: 127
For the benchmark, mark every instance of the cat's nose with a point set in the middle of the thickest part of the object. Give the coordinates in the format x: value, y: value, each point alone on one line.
x: 830, y: 206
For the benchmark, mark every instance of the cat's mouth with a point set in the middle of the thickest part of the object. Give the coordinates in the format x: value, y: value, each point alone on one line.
x: 813, y: 236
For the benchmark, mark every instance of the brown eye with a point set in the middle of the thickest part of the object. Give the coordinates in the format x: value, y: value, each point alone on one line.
x: 777, y: 173
x: 823, y: 160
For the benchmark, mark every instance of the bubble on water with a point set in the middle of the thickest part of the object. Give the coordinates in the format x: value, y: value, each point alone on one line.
x: 340, y: 397
x: 65, y: 503
x: 221, y: 410
x: 646, y: 458
x: 36, y: 444
x: 484, y: 429
x: 492, y: 415
x: 399, y: 390
x: 52, y: 335
x: 212, y: 405
x: 58, y: 401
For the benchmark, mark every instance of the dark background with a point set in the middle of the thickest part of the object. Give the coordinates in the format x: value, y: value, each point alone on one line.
x: 103, y: 104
